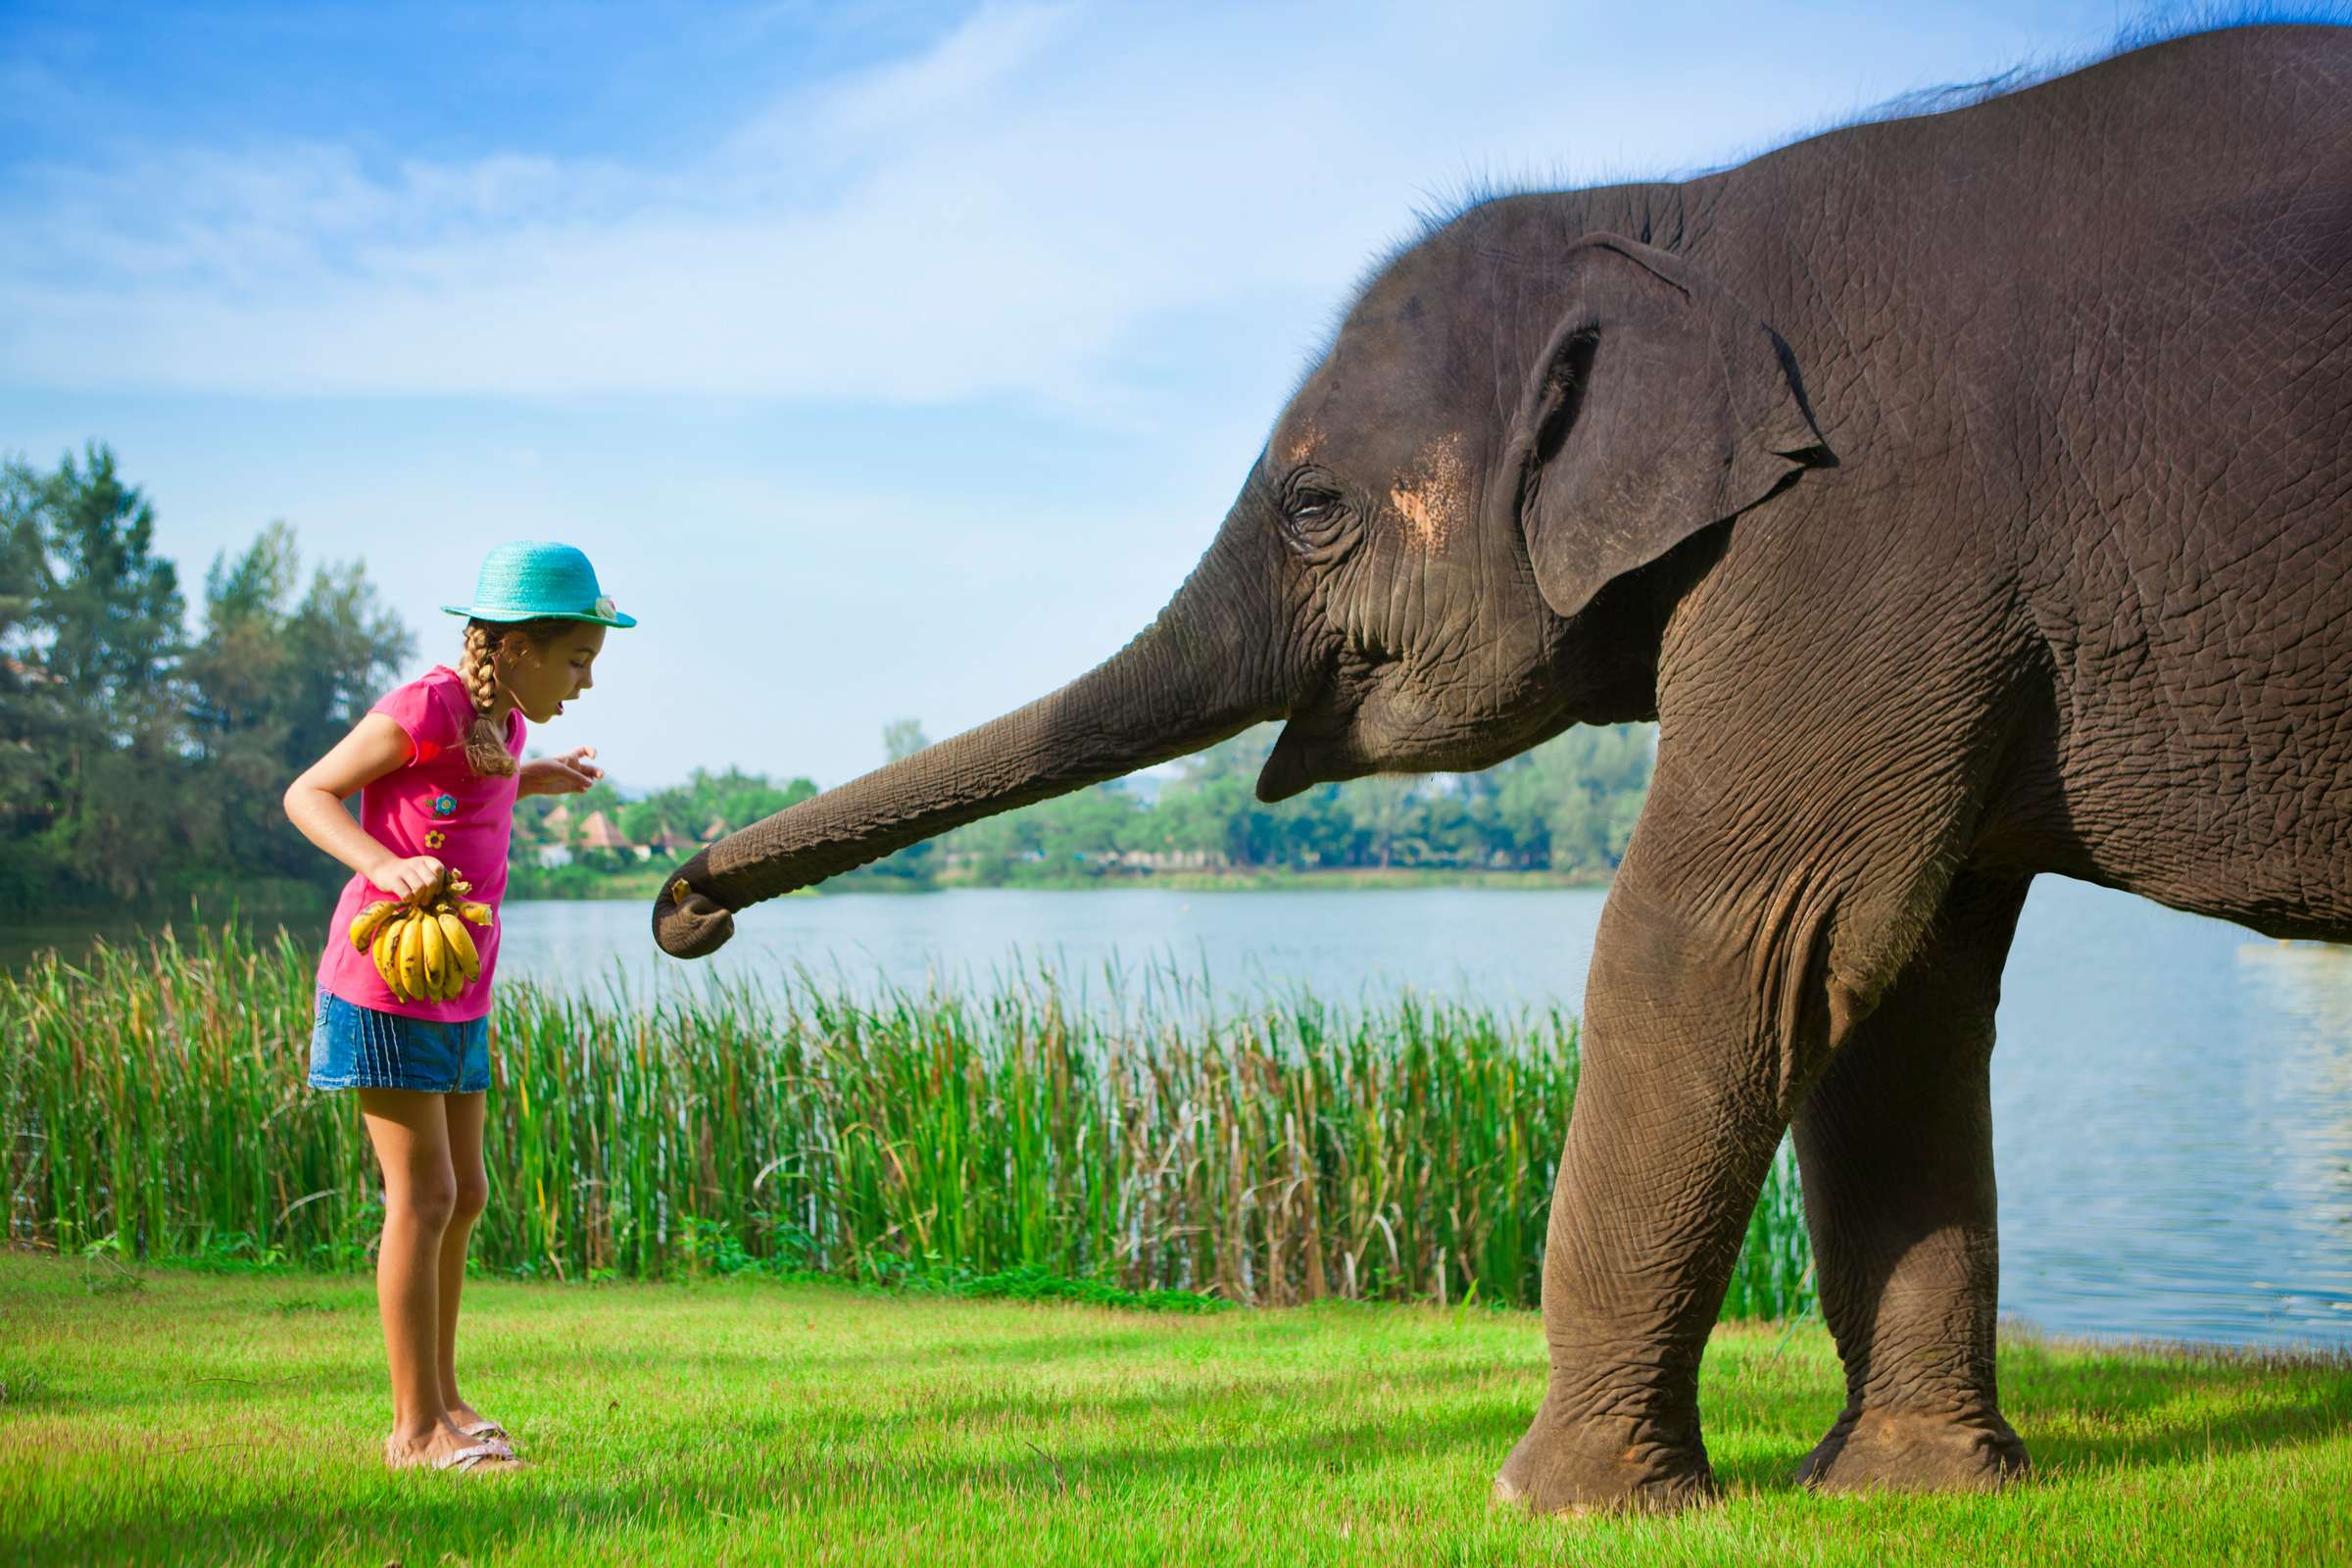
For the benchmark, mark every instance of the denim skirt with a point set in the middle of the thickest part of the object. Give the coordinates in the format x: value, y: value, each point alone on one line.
x: 359, y: 1048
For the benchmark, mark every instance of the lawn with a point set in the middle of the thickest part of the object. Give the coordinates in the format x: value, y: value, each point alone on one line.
x: 172, y: 1414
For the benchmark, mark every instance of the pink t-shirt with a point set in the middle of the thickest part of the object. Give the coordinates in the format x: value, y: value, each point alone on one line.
x: 436, y: 805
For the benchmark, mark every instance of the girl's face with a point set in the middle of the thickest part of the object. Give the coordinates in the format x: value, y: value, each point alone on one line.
x: 542, y: 677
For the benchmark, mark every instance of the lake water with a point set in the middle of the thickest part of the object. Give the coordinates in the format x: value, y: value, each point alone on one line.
x: 2172, y: 1096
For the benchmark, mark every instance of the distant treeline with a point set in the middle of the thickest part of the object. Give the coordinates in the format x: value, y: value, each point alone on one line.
x: 141, y: 763
x: 1566, y: 807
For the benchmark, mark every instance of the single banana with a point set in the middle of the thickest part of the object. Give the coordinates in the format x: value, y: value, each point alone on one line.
x: 404, y: 984
x: 363, y: 925
x: 433, y: 952
x: 478, y: 914
x: 385, y: 951
x: 412, y: 959
x: 464, y: 956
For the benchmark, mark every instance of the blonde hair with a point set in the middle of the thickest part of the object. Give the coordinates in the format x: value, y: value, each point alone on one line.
x: 486, y: 741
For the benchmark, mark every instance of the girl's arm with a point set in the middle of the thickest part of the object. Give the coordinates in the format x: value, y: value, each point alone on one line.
x: 375, y: 747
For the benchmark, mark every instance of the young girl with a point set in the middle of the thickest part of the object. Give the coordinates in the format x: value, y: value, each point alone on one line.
x: 437, y: 766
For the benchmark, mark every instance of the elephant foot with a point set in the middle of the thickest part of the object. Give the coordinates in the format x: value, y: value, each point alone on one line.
x: 1905, y: 1451
x: 1570, y: 1469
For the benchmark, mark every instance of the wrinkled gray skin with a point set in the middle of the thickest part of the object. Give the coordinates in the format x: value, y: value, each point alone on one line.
x: 1967, y: 496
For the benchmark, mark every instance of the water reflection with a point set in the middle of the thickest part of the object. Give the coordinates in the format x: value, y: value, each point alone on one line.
x: 2172, y: 1122
x: 2308, y: 987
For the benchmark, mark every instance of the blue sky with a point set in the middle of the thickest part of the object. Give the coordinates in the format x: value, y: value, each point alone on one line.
x: 889, y: 360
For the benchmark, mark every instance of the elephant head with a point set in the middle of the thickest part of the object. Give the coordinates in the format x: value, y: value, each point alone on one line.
x: 1506, y: 422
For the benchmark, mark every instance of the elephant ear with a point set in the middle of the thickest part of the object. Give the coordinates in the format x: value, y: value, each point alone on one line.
x: 1658, y: 406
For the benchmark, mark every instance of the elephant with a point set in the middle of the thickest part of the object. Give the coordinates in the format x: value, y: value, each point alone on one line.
x: 1966, y: 496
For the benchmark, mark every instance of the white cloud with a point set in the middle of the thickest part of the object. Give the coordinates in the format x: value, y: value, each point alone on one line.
x: 974, y: 61
x: 1010, y: 213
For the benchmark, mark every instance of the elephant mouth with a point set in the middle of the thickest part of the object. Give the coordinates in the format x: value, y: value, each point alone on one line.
x: 1380, y: 715
x: 1313, y: 749
x: 1291, y: 767
x: 1324, y: 738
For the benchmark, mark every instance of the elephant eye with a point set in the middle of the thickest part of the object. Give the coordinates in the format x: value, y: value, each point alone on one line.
x: 1314, y: 505
x: 1314, y: 517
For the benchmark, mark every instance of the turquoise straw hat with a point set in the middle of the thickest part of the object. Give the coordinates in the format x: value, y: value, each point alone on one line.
x: 523, y: 579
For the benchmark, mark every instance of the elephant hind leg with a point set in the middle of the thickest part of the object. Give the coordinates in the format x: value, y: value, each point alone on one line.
x: 1895, y: 1146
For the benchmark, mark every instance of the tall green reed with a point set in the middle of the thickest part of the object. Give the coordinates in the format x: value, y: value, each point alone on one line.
x: 1285, y: 1150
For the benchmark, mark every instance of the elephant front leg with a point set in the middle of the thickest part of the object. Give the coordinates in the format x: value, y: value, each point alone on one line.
x: 1895, y: 1148
x: 1676, y: 1118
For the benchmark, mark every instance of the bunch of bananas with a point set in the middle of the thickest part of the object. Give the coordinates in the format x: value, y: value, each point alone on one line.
x: 419, y: 944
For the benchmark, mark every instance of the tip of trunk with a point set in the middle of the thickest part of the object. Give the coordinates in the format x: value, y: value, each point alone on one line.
x: 688, y: 923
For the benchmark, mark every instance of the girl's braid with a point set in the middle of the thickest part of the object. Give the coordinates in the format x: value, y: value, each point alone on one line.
x: 485, y: 746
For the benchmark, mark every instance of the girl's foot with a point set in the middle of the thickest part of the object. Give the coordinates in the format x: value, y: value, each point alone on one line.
x: 472, y: 1422
x: 443, y: 1446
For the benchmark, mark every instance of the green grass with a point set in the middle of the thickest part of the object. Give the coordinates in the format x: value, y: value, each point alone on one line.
x: 172, y: 1415
x: 1278, y: 1152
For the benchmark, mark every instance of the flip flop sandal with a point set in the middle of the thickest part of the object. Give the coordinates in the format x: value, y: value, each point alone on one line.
x: 484, y: 1429
x: 464, y: 1460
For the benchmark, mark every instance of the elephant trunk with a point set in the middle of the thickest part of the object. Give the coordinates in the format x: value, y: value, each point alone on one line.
x: 1206, y: 668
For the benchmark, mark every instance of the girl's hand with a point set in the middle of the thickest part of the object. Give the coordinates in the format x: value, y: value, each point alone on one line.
x: 567, y: 774
x: 406, y: 879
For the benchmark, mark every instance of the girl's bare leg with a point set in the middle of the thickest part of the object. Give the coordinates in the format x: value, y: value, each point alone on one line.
x: 463, y: 1120
x: 411, y: 1134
